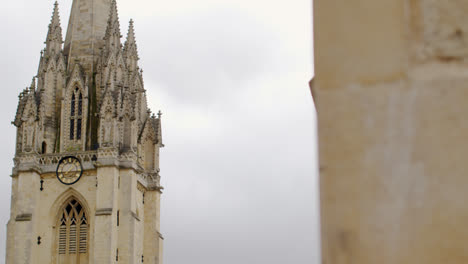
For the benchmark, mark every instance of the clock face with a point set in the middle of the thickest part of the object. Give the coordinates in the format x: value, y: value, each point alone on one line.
x: 69, y: 170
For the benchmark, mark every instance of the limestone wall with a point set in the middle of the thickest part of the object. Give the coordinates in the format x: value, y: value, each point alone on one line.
x: 104, y: 193
x: 391, y: 88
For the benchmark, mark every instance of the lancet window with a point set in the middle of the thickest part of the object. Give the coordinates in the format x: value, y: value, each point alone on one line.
x: 72, y: 232
x: 76, y: 115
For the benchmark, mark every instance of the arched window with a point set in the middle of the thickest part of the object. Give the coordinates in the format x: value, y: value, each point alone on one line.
x: 76, y: 114
x: 72, y: 234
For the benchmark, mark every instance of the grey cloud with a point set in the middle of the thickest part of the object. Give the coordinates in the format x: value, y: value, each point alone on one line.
x: 208, y: 56
x: 254, y: 186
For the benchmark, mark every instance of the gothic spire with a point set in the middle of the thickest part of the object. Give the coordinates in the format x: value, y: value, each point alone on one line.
x: 54, y: 36
x: 130, y: 48
x: 86, y: 31
x: 130, y: 43
x: 113, y: 36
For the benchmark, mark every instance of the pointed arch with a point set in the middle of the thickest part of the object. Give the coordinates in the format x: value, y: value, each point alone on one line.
x: 72, y: 221
x: 64, y: 197
x: 73, y: 231
x: 73, y: 128
x: 73, y: 228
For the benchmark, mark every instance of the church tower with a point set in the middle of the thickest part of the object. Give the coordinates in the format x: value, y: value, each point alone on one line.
x: 85, y: 183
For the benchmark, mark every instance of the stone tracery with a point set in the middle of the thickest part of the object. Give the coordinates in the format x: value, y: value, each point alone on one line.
x: 113, y: 111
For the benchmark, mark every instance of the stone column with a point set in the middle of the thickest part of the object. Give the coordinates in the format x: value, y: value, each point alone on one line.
x: 105, y: 229
x: 10, y: 248
x: 128, y: 218
x: 391, y: 95
x: 23, y: 232
x: 153, y: 240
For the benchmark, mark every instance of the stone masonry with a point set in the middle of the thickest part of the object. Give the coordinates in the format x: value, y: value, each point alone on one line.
x: 87, y: 101
x: 391, y: 90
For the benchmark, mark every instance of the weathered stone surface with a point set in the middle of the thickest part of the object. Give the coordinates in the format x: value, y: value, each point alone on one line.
x: 442, y: 27
x: 392, y: 131
x: 87, y: 101
x: 86, y: 30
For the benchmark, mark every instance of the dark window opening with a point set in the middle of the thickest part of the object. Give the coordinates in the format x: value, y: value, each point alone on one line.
x: 72, y: 129
x: 80, y: 105
x: 72, y: 107
x: 44, y: 147
x: 78, y: 129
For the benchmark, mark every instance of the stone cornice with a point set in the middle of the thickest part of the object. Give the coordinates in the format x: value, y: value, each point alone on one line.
x: 91, y: 160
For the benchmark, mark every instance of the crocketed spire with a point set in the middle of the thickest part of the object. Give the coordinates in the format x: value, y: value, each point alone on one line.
x: 54, y: 36
x: 113, y: 36
x: 95, y: 65
x: 130, y: 48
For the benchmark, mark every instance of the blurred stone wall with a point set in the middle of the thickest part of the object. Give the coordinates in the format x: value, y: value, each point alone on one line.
x: 391, y: 91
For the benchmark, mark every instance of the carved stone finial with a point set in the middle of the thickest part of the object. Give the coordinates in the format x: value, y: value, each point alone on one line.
x: 159, y: 114
x: 54, y: 35
x: 33, y: 84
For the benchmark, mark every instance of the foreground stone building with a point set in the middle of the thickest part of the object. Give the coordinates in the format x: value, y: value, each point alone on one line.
x: 85, y: 183
x: 391, y: 90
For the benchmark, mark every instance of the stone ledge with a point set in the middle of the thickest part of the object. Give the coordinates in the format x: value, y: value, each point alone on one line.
x: 104, y: 211
x: 23, y: 217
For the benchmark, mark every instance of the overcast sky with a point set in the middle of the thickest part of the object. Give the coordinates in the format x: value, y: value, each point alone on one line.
x: 239, y: 166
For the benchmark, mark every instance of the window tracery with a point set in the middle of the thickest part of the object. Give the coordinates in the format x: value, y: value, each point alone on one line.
x: 76, y: 115
x: 72, y: 231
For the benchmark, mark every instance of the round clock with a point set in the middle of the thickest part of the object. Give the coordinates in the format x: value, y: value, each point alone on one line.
x: 69, y: 170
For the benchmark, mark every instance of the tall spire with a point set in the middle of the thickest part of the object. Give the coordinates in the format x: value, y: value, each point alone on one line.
x: 113, y: 24
x: 130, y: 48
x: 54, y: 36
x: 86, y: 31
x: 113, y: 36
